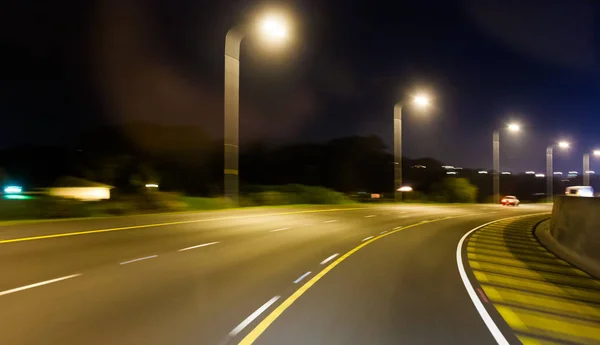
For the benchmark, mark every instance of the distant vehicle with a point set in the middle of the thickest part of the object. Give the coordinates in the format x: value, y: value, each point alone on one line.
x: 510, y: 200
x: 582, y: 191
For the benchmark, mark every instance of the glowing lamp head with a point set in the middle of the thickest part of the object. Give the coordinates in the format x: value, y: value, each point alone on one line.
x: 274, y: 28
x: 563, y: 144
x: 596, y: 152
x: 514, y: 127
x: 405, y: 189
x: 421, y: 101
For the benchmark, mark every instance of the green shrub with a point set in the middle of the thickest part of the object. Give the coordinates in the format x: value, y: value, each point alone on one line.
x: 454, y: 189
x: 296, y: 194
x: 415, y: 196
x: 43, y: 207
x: 197, y: 203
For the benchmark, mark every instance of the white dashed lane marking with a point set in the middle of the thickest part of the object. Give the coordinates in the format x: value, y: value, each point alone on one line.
x: 138, y: 259
x: 302, y: 277
x: 280, y: 229
x: 198, y: 246
x: 46, y: 282
x: 329, y: 258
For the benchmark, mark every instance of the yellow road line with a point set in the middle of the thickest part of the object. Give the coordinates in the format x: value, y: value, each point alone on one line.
x: 549, y: 267
x: 522, y: 240
x: 537, y: 286
x: 541, y: 276
x: 506, y: 237
x: 88, y: 232
x: 512, y: 250
x: 551, y: 325
x: 507, y: 245
x: 521, y: 256
x: 251, y: 337
x: 532, y: 341
x: 537, y: 301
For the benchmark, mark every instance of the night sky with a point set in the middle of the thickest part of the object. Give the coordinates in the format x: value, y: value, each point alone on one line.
x: 75, y: 65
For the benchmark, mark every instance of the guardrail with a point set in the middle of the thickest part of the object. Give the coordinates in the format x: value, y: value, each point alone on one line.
x: 575, y: 231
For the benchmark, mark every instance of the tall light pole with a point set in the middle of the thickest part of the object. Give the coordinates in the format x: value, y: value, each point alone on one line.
x: 512, y: 127
x: 420, y: 101
x: 586, y: 166
x: 549, y: 172
x: 270, y: 27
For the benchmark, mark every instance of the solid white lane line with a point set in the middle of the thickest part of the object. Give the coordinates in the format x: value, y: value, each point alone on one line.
x: 487, y: 319
x: 383, y: 232
x: 280, y: 229
x: 2, y: 293
x: 138, y: 259
x: 367, y: 238
x: 302, y: 277
x: 331, y: 221
x: 329, y: 258
x: 198, y: 246
x: 370, y: 216
x: 253, y: 316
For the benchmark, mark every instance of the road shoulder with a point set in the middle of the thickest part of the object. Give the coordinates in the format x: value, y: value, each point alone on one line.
x: 540, y: 297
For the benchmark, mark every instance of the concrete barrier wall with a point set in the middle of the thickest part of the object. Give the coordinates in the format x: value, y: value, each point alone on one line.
x: 575, y: 229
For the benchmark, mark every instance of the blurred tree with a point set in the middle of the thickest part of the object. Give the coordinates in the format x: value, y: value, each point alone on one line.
x: 3, y: 177
x: 452, y: 189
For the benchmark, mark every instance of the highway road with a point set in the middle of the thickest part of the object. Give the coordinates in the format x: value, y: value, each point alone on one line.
x: 304, y: 275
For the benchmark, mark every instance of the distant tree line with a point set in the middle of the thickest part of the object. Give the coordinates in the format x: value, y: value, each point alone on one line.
x: 183, y: 159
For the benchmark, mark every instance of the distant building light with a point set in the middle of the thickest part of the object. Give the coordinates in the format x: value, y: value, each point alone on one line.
x: 448, y: 166
x: 590, y: 172
x: 482, y: 172
x: 506, y: 173
x: 451, y: 172
x: 405, y: 189
x: 375, y: 196
x: 419, y: 166
x: 573, y: 172
x: 151, y: 185
x: 540, y: 175
x: 13, y: 189
x: 17, y: 196
x: 530, y: 172
x: 557, y: 173
x: 458, y: 168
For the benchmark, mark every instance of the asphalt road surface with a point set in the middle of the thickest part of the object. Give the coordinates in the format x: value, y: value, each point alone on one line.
x: 261, y: 276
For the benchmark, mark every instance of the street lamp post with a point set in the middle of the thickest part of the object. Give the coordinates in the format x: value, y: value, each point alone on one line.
x: 421, y: 101
x: 512, y: 127
x: 586, y: 166
x: 549, y: 172
x: 233, y: 41
x: 397, y: 150
x: 586, y: 169
x: 273, y: 28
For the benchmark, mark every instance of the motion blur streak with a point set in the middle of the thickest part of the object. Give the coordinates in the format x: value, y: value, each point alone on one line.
x: 88, y: 232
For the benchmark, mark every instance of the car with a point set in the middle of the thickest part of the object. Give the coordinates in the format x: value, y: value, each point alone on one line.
x: 582, y: 191
x: 510, y: 200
